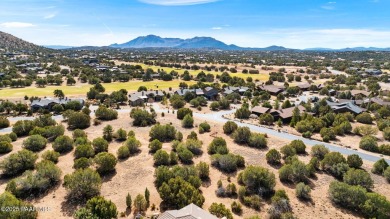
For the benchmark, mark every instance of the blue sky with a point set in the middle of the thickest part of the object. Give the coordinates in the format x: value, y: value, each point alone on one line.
x: 249, y: 23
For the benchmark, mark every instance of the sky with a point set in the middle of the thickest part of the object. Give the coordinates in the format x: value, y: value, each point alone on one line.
x: 248, y: 23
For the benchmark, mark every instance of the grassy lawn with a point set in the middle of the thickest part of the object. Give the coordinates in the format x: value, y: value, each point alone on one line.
x: 82, y: 89
x: 261, y: 76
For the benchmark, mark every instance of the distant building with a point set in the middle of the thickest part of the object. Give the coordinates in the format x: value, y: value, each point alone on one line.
x: 345, y: 107
x: 48, y: 103
x: 272, y: 89
x: 139, y: 98
x: 190, y: 211
x: 373, y: 71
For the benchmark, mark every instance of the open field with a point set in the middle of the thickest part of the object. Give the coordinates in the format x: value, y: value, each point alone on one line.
x: 263, y: 76
x: 82, y: 89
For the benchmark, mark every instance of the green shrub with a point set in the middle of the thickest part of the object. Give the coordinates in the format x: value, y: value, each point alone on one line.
x: 105, y: 162
x: 133, y: 144
x: 155, y: 145
x: 63, y: 144
x: 82, y: 163
x: 319, y: 151
x: 78, y: 133
x: 161, y: 157
x: 273, y: 157
x: 18, y: 162
x: 182, y: 112
x: 82, y: 184
x: 205, y: 126
x: 218, y: 146
x: 357, y: 177
x: 257, y: 140
x: 299, y: 146
x: 220, y: 211
x: 229, y: 127
x: 354, y: 161
x: 364, y: 118
x: 369, y: 143
x: 380, y: 166
x: 242, y: 135
x: 4, y: 122
x: 51, y: 156
x: 302, y: 191
x: 13, y: 136
x: 123, y: 152
x: 188, y: 121
x: 100, y: 145
x: 5, y: 147
x: 84, y: 151
x: 104, y: 113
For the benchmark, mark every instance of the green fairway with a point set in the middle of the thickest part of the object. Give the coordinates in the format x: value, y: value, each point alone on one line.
x: 82, y: 89
x: 261, y: 76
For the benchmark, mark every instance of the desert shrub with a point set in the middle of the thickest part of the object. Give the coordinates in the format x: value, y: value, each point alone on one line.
x: 386, y: 174
x: 82, y: 184
x: 386, y: 133
x: 105, y: 162
x: 161, y: 157
x: 203, y: 170
x: 78, y: 133
x: 31, y: 183
x: 4, y: 122
x: 188, y: 121
x: 273, y: 157
x: 63, y: 144
x: 78, y: 120
x: 229, y: 127
x: 179, y: 136
x: 86, y: 151
x: 299, y: 146
x: 100, y: 145
x: 338, y: 170
x: 214, y: 106
x: 369, y: 143
x: 364, y: 118
x: 302, y: 191
x: 227, y: 162
x: 163, y: 133
x: 123, y: 152
x: 257, y: 140
x: 169, y: 192
x: 294, y: 172
x: 8, y: 200
x: 97, y: 207
x: 108, y: 133
x: 133, y: 145
x: 155, y: 145
x: 327, y: 134
x: 5, y: 147
x: 194, y: 145
x: 173, y: 158
x: 51, y: 156
x: 354, y: 161
x: 49, y: 132
x: 218, y: 146
x: 184, y: 154
x: 182, y: 112
x: 331, y: 159
x: 120, y: 135
x: 13, y: 136
x: 258, y: 180
x: 5, y: 138
x: 242, y: 113
x: 242, y: 135
x: 220, y: 211
x: 236, y: 208
x: 142, y: 118
x: 319, y: 151
x: 193, y: 135
x: 104, y: 113
x: 18, y: 162
x: 384, y: 149
x: 380, y: 166
x: 280, y: 205
x: 82, y: 163
x: 205, y: 126
x: 22, y: 127
x: 357, y: 177
x: 288, y: 151
x: 81, y: 141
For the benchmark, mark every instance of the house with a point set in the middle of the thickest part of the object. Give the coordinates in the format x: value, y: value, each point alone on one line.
x: 380, y: 101
x: 287, y: 114
x: 360, y: 93
x: 259, y: 110
x: 2, y: 75
x: 272, y: 89
x: 139, y: 98
x: 345, y: 107
x: 211, y: 93
x: 304, y: 86
x: 190, y: 211
x: 48, y: 103
x: 373, y: 71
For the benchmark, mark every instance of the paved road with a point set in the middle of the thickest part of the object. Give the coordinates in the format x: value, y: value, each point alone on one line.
x: 218, y: 118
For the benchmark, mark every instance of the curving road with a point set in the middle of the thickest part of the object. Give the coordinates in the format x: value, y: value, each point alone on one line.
x: 218, y: 117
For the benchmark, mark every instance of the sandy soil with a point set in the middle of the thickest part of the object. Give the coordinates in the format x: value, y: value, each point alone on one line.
x: 136, y: 173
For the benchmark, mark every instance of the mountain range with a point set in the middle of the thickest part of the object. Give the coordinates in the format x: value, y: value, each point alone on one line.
x: 9, y: 42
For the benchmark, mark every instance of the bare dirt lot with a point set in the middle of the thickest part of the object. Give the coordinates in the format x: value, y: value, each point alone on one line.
x: 136, y: 173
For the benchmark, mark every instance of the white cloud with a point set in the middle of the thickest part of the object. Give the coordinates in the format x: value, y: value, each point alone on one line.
x: 16, y: 25
x: 329, y: 6
x: 176, y: 2
x: 216, y: 28
x: 50, y: 16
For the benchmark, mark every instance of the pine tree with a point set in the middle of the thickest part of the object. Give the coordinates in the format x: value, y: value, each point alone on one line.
x: 128, y: 201
x: 147, y: 197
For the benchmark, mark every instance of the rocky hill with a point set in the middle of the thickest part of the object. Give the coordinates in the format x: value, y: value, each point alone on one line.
x: 11, y: 43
